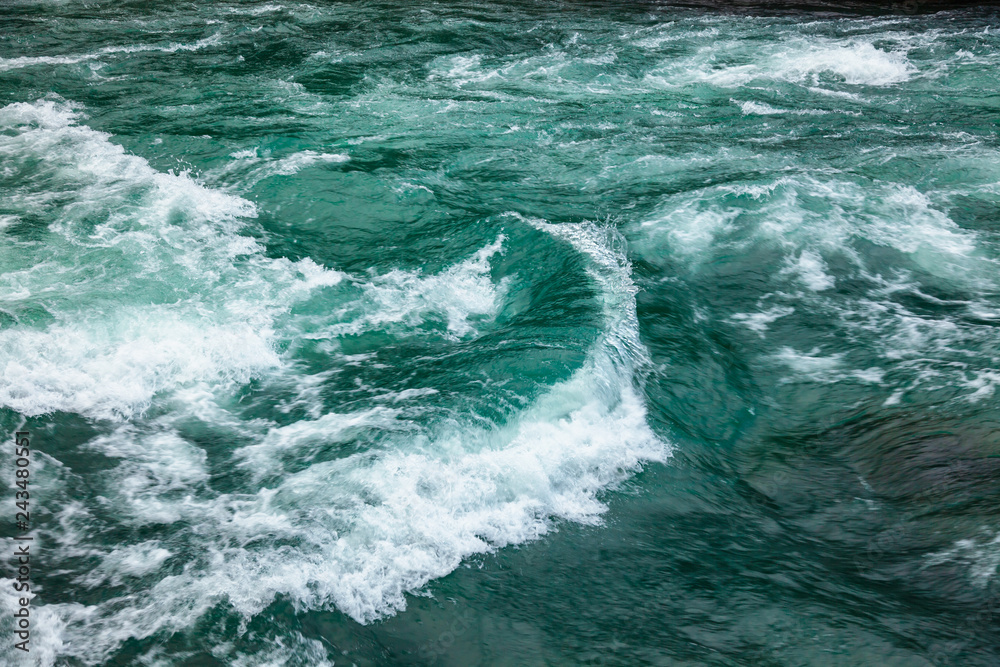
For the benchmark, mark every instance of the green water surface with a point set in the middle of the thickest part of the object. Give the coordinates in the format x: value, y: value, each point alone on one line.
x: 536, y: 333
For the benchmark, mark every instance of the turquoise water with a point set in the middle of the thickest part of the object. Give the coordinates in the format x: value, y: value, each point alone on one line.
x: 523, y: 334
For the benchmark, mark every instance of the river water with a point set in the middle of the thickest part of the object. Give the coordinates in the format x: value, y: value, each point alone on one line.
x: 516, y: 334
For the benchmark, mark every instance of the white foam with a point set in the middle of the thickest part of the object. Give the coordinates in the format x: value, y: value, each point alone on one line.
x: 407, y: 394
x: 248, y: 154
x: 391, y: 520
x: 162, y: 230
x: 910, y: 223
x: 856, y: 62
x: 895, y: 216
x: 871, y: 375
x: 811, y: 270
x: 153, y: 466
x: 293, y: 648
x: 804, y: 60
x: 461, y: 70
x: 7, y: 64
x: 133, y: 561
x: 297, y: 161
x: 758, y: 108
x: 258, y: 167
x: 809, y: 363
x: 174, y: 47
x: 981, y: 556
x: 300, y: 439
x: 656, y: 41
x: 817, y: 367
x: 984, y: 383
x: 763, y: 109
x: 759, y: 321
x: 46, y: 626
x: 842, y: 94
x: 811, y: 223
x: 256, y: 11
x: 112, y: 370
x: 20, y: 62
x: 692, y: 228
x: 360, y: 531
x: 402, y: 301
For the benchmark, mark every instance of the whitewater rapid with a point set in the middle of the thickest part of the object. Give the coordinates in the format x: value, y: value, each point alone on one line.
x: 620, y: 333
x: 355, y: 532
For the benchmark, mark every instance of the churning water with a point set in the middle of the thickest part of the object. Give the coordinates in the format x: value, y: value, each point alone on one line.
x: 516, y: 334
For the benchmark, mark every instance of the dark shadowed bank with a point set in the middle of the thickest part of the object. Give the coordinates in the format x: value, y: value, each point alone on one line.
x: 815, y: 8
